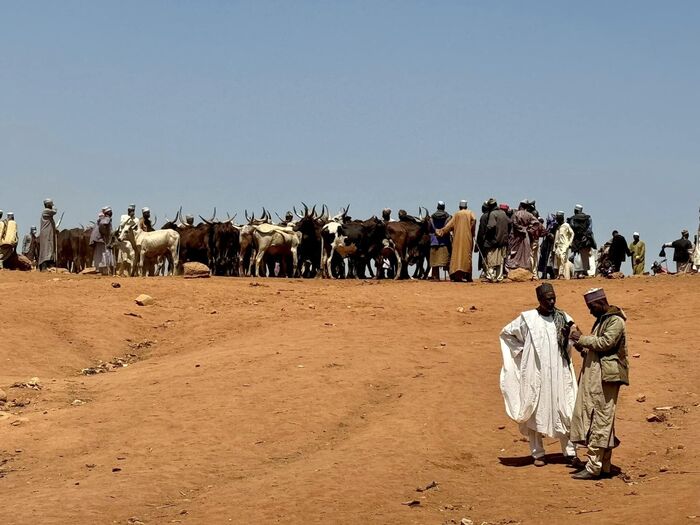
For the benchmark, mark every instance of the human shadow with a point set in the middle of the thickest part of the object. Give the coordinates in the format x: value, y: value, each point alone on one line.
x: 524, y: 461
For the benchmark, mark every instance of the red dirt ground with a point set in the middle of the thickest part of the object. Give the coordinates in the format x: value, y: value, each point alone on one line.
x: 288, y: 401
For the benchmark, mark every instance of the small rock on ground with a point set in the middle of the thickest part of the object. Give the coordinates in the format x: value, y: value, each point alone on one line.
x: 144, y: 300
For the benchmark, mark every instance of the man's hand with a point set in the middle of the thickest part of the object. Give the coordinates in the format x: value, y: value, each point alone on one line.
x: 575, y: 334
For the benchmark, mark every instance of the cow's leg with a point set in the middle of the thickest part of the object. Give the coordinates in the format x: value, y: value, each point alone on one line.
x: 295, y: 261
x: 399, y: 265
x: 259, y: 262
x: 329, y: 263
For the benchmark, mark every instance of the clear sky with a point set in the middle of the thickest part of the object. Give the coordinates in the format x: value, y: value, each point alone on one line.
x: 243, y: 104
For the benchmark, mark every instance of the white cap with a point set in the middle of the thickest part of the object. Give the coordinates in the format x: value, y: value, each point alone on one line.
x: 635, y: 234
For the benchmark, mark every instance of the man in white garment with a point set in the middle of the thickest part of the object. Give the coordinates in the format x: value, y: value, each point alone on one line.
x: 537, y: 379
x: 562, y: 243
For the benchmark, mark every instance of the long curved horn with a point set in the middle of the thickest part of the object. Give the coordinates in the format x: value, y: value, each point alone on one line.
x: 278, y: 216
x: 230, y: 220
x: 246, y: 215
x: 324, y: 213
x: 296, y: 212
x: 178, y: 216
x: 313, y: 211
x: 208, y: 222
x: 154, y: 221
x: 213, y: 217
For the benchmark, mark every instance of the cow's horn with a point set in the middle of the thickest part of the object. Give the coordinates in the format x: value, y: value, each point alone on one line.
x: 208, y: 222
x: 296, y: 212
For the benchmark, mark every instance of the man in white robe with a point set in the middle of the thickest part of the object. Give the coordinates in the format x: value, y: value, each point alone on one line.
x: 537, y: 379
x: 562, y: 242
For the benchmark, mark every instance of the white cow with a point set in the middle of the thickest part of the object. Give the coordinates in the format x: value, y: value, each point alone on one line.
x: 275, y: 240
x: 152, y: 245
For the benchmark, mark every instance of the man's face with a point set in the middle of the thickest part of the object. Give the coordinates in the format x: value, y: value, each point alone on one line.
x: 597, y: 308
x: 131, y: 213
x: 560, y: 219
x: 547, y: 301
x: 636, y: 238
x: 147, y: 215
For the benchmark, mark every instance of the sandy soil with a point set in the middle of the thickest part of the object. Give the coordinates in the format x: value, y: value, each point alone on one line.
x: 280, y: 401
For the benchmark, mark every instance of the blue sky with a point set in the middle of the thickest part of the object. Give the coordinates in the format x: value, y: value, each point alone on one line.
x: 244, y: 104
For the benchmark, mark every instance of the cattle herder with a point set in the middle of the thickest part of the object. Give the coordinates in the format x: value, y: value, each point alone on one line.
x: 8, y: 239
x: 638, y: 250
x: 47, y: 236
x: 538, y: 382
x: 101, y: 240
x: 492, y: 240
x: 129, y: 216
x: 463, y: 226
x: 439, y: 246
x: 605, y: 369
x: 145, y: 221
x: 30, y: 245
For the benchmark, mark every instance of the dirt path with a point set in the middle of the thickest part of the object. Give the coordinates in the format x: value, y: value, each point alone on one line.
x: 280, y: 401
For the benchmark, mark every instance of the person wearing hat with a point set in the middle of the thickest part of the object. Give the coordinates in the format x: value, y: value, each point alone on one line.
x: 638, y: 250
x: 8, y: 239
x: 618, y: 251
x: 101, y: 241
x: 463, y: 226
x: 525, y: 229
x: 682, y: 250
x: 30, y: 245
x: 439, y: 246
x: 47, y: 237
x: 605, y: 368
x: 562, y: 244
x: 583, y: 242
x: 145, y: 221
x: 386, y: 214
x: 492, y: 240
x: 537, y: 380
x: 130, y: 215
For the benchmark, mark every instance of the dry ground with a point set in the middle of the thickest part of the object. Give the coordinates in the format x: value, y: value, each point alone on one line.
x: 281, y: 401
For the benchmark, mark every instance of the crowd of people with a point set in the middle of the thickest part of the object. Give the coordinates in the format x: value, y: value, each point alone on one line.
x: 505, y: 239
x: 553, y: 248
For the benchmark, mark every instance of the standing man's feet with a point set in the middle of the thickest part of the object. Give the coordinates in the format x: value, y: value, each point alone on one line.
x: 539, y: 462
x: 584, y: 474
x: 574, y: 462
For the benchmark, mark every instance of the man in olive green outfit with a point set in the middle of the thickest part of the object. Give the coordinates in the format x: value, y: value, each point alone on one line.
x: 638, y: 249
x: 605, y: 369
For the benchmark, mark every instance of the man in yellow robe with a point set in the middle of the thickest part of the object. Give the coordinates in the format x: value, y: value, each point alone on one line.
x: 463, y: 226
x: 638, y: 249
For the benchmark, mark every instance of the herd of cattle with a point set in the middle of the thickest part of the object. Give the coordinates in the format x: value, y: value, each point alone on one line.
x: 313, y: 245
